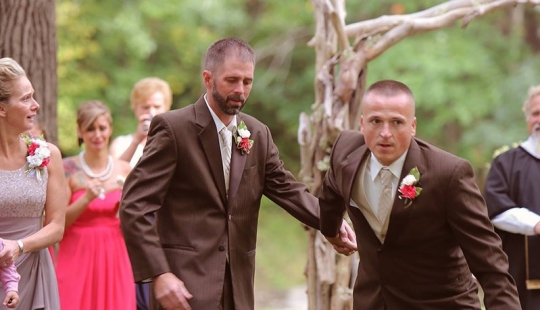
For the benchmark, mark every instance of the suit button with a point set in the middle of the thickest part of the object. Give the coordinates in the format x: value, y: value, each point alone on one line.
x: 221, y: 248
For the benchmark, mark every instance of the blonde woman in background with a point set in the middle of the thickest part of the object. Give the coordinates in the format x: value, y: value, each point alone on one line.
x: 149, y: 97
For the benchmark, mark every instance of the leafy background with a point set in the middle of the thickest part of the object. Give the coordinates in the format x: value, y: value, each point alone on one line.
x: 469, y: 83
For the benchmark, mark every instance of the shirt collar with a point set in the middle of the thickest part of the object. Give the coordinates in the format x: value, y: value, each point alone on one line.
x: 530, y: 146
x: 396, y: 167
x: 219, y: 124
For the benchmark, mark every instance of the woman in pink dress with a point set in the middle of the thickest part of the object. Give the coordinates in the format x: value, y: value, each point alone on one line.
x: 93, y: 268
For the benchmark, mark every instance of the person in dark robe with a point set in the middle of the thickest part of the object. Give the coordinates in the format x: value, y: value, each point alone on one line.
x: 512, y: 194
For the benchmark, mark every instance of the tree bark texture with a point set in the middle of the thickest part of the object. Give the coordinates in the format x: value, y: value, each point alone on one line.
x: 342, y: 56
x: 28, y: 35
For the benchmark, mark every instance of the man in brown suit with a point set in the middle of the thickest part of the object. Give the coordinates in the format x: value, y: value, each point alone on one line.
x: 199, y: 252
x: 419, y: 244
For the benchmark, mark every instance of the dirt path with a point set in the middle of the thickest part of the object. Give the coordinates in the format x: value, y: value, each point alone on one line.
x: 293, y: 299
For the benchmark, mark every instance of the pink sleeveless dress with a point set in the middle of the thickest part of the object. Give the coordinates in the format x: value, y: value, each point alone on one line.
x: 92, y: 266
x: 22, y: 202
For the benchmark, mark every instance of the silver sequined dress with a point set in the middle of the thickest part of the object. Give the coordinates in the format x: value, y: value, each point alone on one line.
x: 22, y: 201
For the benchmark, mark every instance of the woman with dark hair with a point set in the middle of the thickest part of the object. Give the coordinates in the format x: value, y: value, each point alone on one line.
x: 93, y: 268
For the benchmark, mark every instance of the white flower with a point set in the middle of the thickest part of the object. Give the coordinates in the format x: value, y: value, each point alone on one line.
x: 243, y: 133
x: 34, y: 161
x: 43, y: 151
x: 409, y: 180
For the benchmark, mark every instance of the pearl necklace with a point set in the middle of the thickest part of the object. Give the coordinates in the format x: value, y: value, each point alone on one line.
x: 102, y: 176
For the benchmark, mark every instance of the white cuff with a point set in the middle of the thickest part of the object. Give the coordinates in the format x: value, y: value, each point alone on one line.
x: 517, y: 220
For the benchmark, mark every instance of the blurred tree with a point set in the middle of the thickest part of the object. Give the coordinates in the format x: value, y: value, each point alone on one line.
x: 28, y: 35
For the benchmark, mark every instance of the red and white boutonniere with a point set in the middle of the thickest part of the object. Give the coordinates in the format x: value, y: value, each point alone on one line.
x: 241, y: 138
x: 408, y: 189
x: 38, y: 156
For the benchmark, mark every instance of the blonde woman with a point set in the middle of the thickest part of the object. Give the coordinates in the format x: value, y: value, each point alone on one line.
x: 149, y: 97
x: 31, y: 183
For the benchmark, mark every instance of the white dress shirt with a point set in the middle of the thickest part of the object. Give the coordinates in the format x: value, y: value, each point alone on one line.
x: 219, y: 124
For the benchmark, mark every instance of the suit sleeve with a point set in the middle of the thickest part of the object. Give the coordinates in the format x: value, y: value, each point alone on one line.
x: 470, y: 224
x: 281, y: 187
x: 331, y: 204
x: 143, y: 194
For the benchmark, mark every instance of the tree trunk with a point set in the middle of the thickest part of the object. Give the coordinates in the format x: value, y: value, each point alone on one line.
x: 28, y: 35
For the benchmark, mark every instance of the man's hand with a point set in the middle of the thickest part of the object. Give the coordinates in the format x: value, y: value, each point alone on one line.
x: 171, y: 292
x: 345, y: 242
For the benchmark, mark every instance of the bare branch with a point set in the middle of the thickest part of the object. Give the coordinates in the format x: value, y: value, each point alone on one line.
x: 413, y: 27
x: 384, y: 23
x: 339, y: 26
x: 407, y: 26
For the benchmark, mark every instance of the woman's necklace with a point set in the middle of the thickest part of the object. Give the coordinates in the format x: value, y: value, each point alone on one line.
x: 103, y: 175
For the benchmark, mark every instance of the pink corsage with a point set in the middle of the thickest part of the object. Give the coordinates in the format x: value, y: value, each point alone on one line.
x: 38, y: 156
x: 241, y: 137
x: 408, y: 189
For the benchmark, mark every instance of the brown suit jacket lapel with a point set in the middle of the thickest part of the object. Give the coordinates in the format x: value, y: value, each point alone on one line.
x: 400, y: 215
x: 208, y: 137
x: 238, y: 161
x: 351, y: 168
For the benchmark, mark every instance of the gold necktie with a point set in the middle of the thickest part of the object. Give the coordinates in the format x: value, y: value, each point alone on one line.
x: 385, y: 199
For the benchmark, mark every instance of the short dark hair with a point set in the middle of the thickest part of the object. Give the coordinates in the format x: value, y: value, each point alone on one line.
x: 389, y: 88
x: 223, y: 48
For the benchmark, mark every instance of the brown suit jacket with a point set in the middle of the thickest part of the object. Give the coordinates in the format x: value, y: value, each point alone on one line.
x: 432, y: 246
x: 180, y: 180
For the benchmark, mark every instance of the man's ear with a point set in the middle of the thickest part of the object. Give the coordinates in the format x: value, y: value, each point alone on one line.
x: 414, y: 127
x: 207, y: 78
x: 3, y: 111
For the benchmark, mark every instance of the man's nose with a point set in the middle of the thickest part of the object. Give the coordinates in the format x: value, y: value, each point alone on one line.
x: 385, y: 130
x: 239, y: 88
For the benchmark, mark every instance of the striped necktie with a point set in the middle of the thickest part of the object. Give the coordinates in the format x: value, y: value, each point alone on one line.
x: 226, y: 141
x: 385, y: 200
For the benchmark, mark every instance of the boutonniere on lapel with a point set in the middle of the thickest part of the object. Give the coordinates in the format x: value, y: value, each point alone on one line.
x: 408, y: 189
x: 241, y: 137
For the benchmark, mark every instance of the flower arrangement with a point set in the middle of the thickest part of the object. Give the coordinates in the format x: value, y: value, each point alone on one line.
x: 241, y: 137
x: 408, y: 189
x: 38, y: 156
